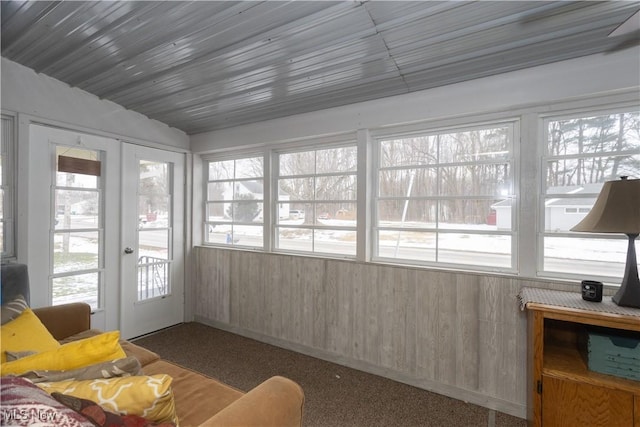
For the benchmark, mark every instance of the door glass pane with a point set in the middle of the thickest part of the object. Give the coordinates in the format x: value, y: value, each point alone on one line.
x: 77, y: 240
x: 153, y: 195
x: 76, y: 179
x: 154, y: 229
x: 154, y: 218
x: 75, y: 251
x: 77, y: 209
x: 153, y: 277
x: 77, y: 288
x: 154, y: 243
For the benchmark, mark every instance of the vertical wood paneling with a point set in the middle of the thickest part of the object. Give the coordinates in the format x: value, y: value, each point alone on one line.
x: 456, y: 329
x: 332, y: 302
x: 308, y: 305
x: 467, y: 291
x: 358, y: 330
x: 274, y: 311
x: 427, y: 313
x: 290, y: 319
x: 385, y: 315
x: 344, y: 288
x: 250, y: 274
x: 373, y: 321
x: 404, y: 320
x: 514, y: 326
x: 234, y: 288
x: 446, y: 295
x: 212, y: 274
x: 319, y: 297
x: 490, y: 336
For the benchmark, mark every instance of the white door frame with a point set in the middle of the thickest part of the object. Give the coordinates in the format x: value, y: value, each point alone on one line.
x: 138, y: 318
x: 41, y: 168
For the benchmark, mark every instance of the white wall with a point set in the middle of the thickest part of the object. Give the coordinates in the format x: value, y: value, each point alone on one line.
x: 596, y: 74
x: 43, y: 97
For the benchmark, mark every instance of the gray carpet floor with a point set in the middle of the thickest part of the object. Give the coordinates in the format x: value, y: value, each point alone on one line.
x: 335, y: 396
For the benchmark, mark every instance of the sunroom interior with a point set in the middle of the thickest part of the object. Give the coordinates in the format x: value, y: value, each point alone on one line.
x: 370, y: 183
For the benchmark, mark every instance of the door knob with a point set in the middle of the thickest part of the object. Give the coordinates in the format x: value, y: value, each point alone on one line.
x: 128, y: 250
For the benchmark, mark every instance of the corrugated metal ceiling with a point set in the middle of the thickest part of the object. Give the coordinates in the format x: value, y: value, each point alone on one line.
x: 205, y: 65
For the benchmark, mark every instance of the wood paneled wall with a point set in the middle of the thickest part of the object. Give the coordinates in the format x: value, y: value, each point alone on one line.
x: 459, y: 334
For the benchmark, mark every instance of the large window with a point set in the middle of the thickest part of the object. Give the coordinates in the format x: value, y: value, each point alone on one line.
x: 7, y: 167
x: 445, y: 197
x: 316, y: 201
x: 499, y: 193
x: 235, y: 202
x: 581, y: 153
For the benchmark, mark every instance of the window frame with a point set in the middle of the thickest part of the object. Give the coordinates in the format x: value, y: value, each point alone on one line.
x: 9, y: 181
x: 313, y: 146
x: 528, y: 147
x: 266, y: 198
x: 99, y: 190
x: 543, y: 159
x: 432, y: 129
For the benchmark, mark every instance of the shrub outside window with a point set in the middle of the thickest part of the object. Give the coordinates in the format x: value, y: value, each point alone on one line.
x: 581, y: 153
x: 445, y: 198
x: 235, y: 202
x: 316, y: 201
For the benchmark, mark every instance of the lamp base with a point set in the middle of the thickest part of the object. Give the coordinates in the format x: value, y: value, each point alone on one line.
x: 629, y: 293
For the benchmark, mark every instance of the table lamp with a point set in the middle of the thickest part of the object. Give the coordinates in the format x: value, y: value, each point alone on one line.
x: 617, y: 210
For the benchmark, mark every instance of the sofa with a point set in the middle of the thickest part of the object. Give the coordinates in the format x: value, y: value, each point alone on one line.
x: 199, y: 399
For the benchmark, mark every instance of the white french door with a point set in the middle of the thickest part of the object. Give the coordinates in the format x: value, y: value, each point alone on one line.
x: 152, y: 241
x: 89, y: 198
x: 73, y: 210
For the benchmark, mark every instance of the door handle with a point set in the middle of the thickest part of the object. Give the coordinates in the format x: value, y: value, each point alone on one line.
x: 128, y: 250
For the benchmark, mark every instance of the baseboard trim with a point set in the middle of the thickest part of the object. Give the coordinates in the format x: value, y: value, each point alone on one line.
x: 469, y: 396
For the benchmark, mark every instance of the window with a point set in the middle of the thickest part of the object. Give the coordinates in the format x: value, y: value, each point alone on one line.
x: 581, y: 153
x: 317, y: 201
x: 78, y: 241
x: 445, y: 198
x: 235, y: 202
x: 7, y: 185
x: 154, y: 229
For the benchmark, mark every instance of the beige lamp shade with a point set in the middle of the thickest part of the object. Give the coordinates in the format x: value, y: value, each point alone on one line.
x: 617, y: 209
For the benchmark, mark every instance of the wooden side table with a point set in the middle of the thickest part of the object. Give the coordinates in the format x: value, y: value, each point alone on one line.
x: 562, y: 391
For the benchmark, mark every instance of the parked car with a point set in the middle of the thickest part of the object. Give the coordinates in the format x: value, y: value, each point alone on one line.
x: 296, y: 214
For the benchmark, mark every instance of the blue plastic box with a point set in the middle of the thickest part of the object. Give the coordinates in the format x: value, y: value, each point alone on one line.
x: 614, y: 352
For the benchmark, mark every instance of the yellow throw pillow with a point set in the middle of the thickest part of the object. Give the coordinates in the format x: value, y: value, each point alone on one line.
x: 73, y: 355
x: 25, y: 333
x: 150, y: 397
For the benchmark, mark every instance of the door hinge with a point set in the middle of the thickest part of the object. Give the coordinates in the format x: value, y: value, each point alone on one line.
x: 539, y: 387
